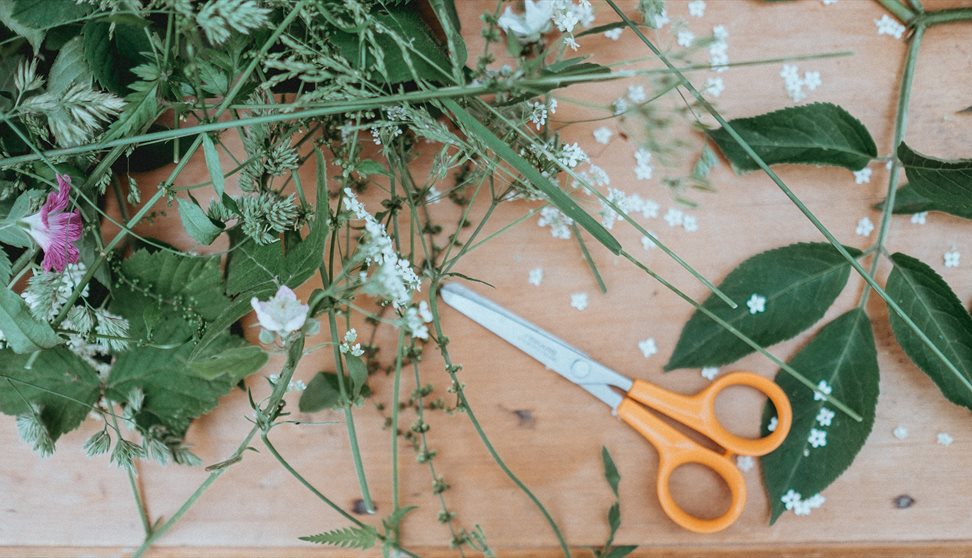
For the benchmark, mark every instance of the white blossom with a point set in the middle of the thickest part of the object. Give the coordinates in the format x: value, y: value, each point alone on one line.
x: 710, y: 372
x: 647, y: 243
x: 603, y: 135
x: 578, y: 300
x: 945, y: 439
x: 614, y: 34
x: 756, y: 304
x: 696, y: 8
x: 888, y: 26
x: 536, y: 276
x: 952, y: 258
x: 685, y: 38
x: 528, y: 26
x: 349, y: 345
x: 900, y: 432
x: 864, y: 227
x: 773, y: 423
x: 637, y: 94
x: 919, y: 218
x: 817, y: 438
x: 862, y: 176
x: 825, y: 416
x: 714, y: 86
x: 822, y: 391
x: 283, y: 314
x: 559, y: 223
x: 648, y: 347
x: 674, y: 217
x: 745, y: 462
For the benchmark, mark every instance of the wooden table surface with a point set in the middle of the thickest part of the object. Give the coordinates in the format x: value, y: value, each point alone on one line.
x: 551, y: 433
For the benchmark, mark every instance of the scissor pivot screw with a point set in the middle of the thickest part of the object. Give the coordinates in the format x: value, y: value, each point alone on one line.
x: 580, y: 368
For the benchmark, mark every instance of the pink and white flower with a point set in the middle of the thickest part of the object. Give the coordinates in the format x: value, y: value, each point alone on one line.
x: 56, y: 230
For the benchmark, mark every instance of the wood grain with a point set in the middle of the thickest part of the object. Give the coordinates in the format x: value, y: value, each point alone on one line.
x: 551, y: 433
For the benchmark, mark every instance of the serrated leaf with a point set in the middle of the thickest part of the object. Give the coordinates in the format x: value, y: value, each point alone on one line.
x: 141, y: 110
x: 843, y: 355
x: 63, y: 385
x: 69, y: 67
x: 33, y: 36
x: 928, y: 300
x: 815, y: 134
x: 799, y: 283
x: 190, y: 286
x: 196, y: 223
x: 610, y: 471
x: 557, y: 197
x: 907, y: 201
x: 24, y: 332
x: 947, y: 184
x: 46, y: 14
x: 214, y: 166
x: 112, y: 49
x: 393, y: 521
x: 350, y: 537
x: 358, y: 372
x: 321, y: 393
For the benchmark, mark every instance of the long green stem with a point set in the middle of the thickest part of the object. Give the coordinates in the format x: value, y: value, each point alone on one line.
x: 796, y: 201
x: 900, y: 126
x: 898, y: 9
x: 452, y: 370
x: 143, y: 513
x: 945, y: 16
x: 396, y: 390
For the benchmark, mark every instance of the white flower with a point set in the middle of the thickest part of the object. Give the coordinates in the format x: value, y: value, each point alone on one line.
x: 952, y: 258
x: 539, y: 111
x: 647, y: 243
x: 745, y: 462
x: 570, y: 41
x: 710, y: 372
x: 690, y: 223
x: 657, y: 21
x: 649, y: 209
x: 578, y: 300
x: 817, y: 438
x: 945, y: 439
x: 862, y: 176
x: 696, y: 8
x: 349, y: 346
x: 603, y: 135
x: 812, y: 80
x: 619, y: 106
x: 571, y: 155
x: 888, y: 26
x: 614, y: 34
x: 685, y: 38
x: 534, y: 21
x: 283, y: 314
x: 773, y: 423
x: 558, y: 222
x: 790, y: 499
x: 900, y: 432
x: 864, y: 227
x: 648, y: 347
x: 637, y: 94
x: 536, y: 276
x: 714, y: 86
x: 756, y: 304
x: 719, y: 49
x: 919, y: 218
x: 822, y: 391
x: 825, y: 416
x: 414, y: 319
x: 674, y: 217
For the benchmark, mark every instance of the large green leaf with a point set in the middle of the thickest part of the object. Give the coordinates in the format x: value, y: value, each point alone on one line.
x: 24, y: 332
x: 69, y: 67
x: 843, y: 355
x: 927, y: 299
x: 907, y: 200
x: 45, y: 14
x: 557, y: 197
x: 815, y: 134
x: 799, y: 283
x: 57, y: 380
x: 112, y: 50
x: 189, y: 287
x: 321, y: 393
x: 141, y: 110
x: 196, y: 223
x: 33, y: 36
x: 947, y: 184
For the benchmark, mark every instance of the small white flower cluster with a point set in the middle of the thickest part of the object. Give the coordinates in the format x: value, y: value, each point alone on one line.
x: 719, y: 49
x: 817, y: 438
x: 823, y: 390
x: 350, y: 346
x: 593, y: 175
x: 864, y: 227
x: 643, y: 168
x: 414, y: 320
x: 536, y: 276
x: 919, y: 218
x: 637, y: 94
x: 603, y: 135
x: 756, y: 304
x: 696, y: 8
x: 745, y: 462
x: 559, y: 223
x: 571, y: 155
x: 539, y: 111
x: 433, y: 195
x: 539, y: 14
x: 714, y: 86
x: 710, y: 372
x: 394, y: 280
x: 619, y: 106
x: 629, y: 204
x: 773, y: 423
x: 900, y: 432
x: 685, y: 38
x: 829, y: 2
x: 888, y: 26
x: 614, y: 34
x: 293, y: 385
x: 647, y: 243
x: 862, y: 176
x: 944, y: 439
x: 952, y: 258
x: 648, y: 347
x: 578, y: 301
x: 793, y: 501
x: 677, y: 218
x: 794, y: 83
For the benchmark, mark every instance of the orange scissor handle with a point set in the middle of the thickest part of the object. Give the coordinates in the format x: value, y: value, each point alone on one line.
x: 698, y: 411
x: 675, y: 450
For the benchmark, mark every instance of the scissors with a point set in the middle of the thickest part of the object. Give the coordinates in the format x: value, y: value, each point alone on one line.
x: 632, y: 406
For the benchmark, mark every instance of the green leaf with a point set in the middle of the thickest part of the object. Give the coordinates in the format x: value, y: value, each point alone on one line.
x: 197, y: 223
x: 358, y: 372
x: 368, y: 167
x: 349, y: 537
x: 214, y: 166
x: 112, y: 49
x: 63, y: 385
x: 907, y: 201
x: 321, y: 393
x: 557, y: 197
x: 6, y: 268
x: 236, y: 363
x: 69, y: 67
x: 614, y: 517
x: 230, y: 315
x: 927, y: 299
x: 843, y: 355
x: 815, y: 134
x: 141, y: 110
x: 428, y: 61
x: 393, y: 521
x: 46, y: 14
x: 33, y: 36
x: 610, y: 471
x: 947, y: 184
x: 187, y: 287
x: 620, y: 551
x: 799, y: 282
x: 24, y: 332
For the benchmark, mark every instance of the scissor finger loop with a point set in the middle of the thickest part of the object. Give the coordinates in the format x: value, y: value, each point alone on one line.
x: 670, y: 460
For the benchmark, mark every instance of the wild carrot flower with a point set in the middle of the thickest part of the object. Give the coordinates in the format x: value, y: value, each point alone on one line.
x: 56, y: 230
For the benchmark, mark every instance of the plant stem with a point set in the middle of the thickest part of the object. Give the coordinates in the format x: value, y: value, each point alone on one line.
x: 294, y: 352
x: 900, y: 126
x: 396, y: 389
x: 797, y: 202
x: 452, y: 370
x: 143, y: 513
x: 945, y: 16
x: 898, y: 10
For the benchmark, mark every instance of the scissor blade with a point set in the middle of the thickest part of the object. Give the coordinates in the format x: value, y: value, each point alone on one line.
x: 551, y: 351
